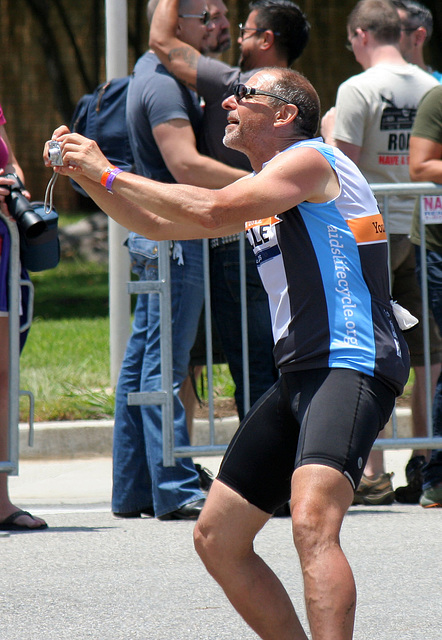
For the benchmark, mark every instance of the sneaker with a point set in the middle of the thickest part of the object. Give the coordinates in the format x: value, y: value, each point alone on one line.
x: 411, y: 493
x: 376, y: 491
x: 206, y: 477
x: 432, y: 497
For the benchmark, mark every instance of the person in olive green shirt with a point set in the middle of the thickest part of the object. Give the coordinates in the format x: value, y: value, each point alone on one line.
x: 426, y: 166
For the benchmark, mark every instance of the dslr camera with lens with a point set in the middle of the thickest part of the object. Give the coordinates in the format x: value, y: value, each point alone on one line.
x: 30, y: 223
x: 38, y: 229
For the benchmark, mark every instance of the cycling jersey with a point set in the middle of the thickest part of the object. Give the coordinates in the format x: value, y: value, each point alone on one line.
x: 325, y: 269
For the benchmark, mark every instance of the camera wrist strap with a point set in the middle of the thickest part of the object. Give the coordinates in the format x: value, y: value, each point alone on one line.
x: 49, y: 193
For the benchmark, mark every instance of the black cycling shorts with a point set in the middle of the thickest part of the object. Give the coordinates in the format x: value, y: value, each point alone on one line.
x: 320, y: 416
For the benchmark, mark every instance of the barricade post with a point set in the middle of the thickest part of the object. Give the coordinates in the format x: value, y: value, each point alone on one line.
x: 414, y: 189
x: 14, y: 283
x: 165, y: 396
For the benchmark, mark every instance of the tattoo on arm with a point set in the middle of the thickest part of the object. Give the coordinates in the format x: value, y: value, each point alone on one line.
x: 188, y: 56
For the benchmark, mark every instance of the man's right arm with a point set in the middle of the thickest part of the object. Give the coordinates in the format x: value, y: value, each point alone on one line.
x: 425, y: 160
x: 179, y: 58
x: 177, y: 144
x: 426, y: 139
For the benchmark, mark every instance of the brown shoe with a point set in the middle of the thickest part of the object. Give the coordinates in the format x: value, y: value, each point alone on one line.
x: 376, y: 491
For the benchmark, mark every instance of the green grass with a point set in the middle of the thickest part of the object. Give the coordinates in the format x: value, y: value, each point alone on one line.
x: 65, y: 362
x: 66, y: 365
x: 74, y: 289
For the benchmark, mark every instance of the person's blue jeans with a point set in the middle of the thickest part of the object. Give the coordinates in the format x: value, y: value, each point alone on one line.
x: 432, y: 472
x: 226, y: 309
x: 140, y: 480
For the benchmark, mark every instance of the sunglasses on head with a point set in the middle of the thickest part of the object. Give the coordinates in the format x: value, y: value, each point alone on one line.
x: 204, y: 16
x: 242, y: 91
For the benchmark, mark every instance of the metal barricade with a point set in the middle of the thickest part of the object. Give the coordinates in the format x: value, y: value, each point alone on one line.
x: 413, y: 189
x: 14, y: 283
x: 396, y: 442
x: 164, y: 398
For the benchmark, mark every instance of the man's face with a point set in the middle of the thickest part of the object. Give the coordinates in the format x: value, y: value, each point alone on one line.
x: 249, y: 44
x: 354, y: 38
x: 250, y: 119
x: 219, y: 38
x: 193, y: 31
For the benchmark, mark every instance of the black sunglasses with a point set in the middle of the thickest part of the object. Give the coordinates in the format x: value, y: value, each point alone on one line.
x: 243, y: 29
x: 241, y: 91
x: 204, y: 16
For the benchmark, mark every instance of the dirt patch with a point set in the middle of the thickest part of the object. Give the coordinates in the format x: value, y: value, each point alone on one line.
x: 223, y: 408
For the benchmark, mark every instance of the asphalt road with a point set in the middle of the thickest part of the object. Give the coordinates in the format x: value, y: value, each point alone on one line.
x: 91, y: 575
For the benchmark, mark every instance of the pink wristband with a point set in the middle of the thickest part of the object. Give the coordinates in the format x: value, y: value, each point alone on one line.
x: 111, y: 177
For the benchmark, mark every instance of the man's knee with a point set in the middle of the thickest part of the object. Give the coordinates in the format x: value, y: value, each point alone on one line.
x: 200, y: 540
x: 320, y: 499
x: 308, y: 526
x: 210, y: 548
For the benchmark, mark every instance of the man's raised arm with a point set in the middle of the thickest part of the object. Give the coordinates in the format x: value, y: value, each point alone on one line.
x: 179, y: 58
x: 285, y: 181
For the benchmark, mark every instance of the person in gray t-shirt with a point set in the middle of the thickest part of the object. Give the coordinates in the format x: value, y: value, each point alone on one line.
x: 163, y: 117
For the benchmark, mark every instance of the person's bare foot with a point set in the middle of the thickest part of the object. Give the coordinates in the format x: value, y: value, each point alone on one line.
x: 17, y: 519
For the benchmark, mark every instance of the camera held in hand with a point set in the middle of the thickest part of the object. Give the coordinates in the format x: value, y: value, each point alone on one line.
x: 55, y: 155
x: 29, y: 223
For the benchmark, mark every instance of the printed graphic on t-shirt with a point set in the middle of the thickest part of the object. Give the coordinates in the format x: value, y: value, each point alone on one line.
x: 399, y: 122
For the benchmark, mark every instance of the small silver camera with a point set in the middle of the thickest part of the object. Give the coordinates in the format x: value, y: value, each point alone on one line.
x: 55, y: 155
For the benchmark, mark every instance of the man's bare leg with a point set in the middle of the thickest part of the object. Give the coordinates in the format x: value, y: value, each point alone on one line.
x: 320, y: 498
x: 224, y: 537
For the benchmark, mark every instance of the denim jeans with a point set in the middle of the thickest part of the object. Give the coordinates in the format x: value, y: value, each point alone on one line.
x: 140, y: 480
x: 432, y: 472
x: 226, y: 308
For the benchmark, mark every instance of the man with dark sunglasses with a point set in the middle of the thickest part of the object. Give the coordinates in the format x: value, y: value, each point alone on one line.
x: 321, y: 247
x: 274, y: 34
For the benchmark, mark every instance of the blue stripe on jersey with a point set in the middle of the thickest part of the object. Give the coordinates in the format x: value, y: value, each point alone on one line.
x: 352, y: 340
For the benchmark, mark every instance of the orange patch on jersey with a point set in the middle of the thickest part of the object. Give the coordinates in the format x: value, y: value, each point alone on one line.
x: 369, y: 229
x: 264, y: 222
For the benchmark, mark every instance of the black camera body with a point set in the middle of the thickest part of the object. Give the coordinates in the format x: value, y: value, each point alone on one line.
x: 29, y: 223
